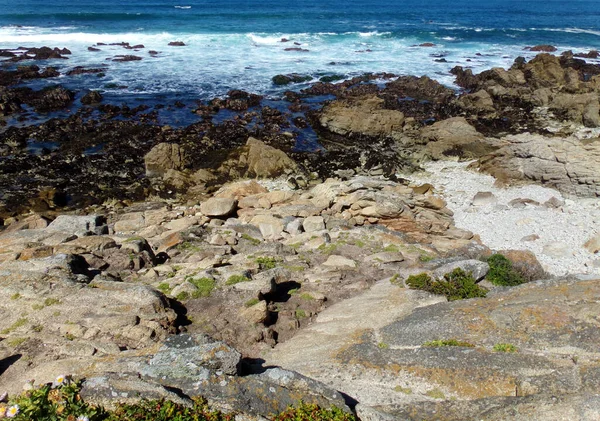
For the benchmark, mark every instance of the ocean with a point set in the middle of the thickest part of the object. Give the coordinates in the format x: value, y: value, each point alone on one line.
x: 233, y: 44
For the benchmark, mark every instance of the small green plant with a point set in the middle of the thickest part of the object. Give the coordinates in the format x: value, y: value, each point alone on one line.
x: 447, y: 342
x: 37, y: 306
x: 502, y: 272
x: 70, y: 337
x: 37, y: 328
x: 405, y: 390
x: 300, y: 314
x: 396, y: 280
x: 436, y: 394
x: 20, y: 322
x: 391, y: 248
x: 15, y: 342
x: 204, y: 285
x: 51, y: 301
x: 183, y: 295
x: 360, y: 243
x: 456, y: 285
x: 424, y: 258
x: 236, y: 279
x: 327, y: 248
x: 189, y: 247
x: 505, y: 348
x: 251, y: 302
x: 293, y: 291
x: 15, y: 296
x: 266, y: 263
x: 307, y: 297
x: 60, y: 402
x: 164, y: 287
x: 254, y: 241
x: 382, y: 345
x: 311, y: 412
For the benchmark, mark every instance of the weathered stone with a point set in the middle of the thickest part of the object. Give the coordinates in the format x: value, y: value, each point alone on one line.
x: 341, y: 262
x: 484, y: 198
x: 266, y: 161
x: 130, y: 222
x: 476, y: 268
x: 163, y: 157
x: 593, y: 244
x: 79, y: 225
x: 313, y: 223
x: 218, y: 207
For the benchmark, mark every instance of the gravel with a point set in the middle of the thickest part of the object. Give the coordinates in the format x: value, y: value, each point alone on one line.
x: 562, y: 231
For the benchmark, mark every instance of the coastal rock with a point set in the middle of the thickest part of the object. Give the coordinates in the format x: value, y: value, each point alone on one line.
x: 218, y: 207
x: 163, y: 157
x: 570, y: 165
x: 281, y: 80
x: 362, y: 117
x: 92, y: 97
x: 265, y: 161
x: 454, y: 137
x: 177, y: 44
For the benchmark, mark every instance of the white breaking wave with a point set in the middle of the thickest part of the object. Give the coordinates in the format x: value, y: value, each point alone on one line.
x: 183, y: 7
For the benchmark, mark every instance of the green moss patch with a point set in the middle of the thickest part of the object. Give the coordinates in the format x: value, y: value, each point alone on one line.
x: 456, y: 285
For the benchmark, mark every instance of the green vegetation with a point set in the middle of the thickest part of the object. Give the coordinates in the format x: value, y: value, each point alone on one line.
x: 436, y: 394
x: 70, y: 337
x: 307, y: 297
x: 396, y: 280
x: 251, y: 302
x: 20, y: 322
x: 254, y: 241
x: 382, y: 345
x: 189, y: 247
x: 15, y: 342
x: 15, y: 296
x: 502, y: 272
x: 505, y: 348
x: 391, y: 248
x: 327, y: 248
x: 447, y: 342
x: 51, y: 301
x: 204, y: 285
x: 405, y: 390
x: 456, y: 285
x: 236, y: 279
x: 424, y: 258
x: 62, y: 402
x: 300, y: 314
x: 311, y: 412
x: 183, y: 295
x: 266, y: 263
x: 164, y: 287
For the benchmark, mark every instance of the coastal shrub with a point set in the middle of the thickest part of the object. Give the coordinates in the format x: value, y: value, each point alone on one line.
x: 455, y: 285
x: 61, y: 401
x: 447, y: 342
x: 236, y: 279
x: 312, y: 412
x: 505, y: 348
x: 204, y: 285
x: 502, y: 272
x: 266, y: 263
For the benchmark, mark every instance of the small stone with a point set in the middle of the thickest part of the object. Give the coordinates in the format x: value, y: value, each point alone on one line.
x: 532, y: 237
x: 593, y: 244
x: 258, y: 313
x: 484, y: 198
x: 339, y: 262
x: 313, y: 223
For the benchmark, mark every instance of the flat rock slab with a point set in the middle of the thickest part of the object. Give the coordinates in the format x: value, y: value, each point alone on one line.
x: 373, y: 347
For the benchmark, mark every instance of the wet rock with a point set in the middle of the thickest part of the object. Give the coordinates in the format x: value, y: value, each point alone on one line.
x: 126, y: 58
x: 177, y: 44
x: 543, y: 47
x: 281, y: 80
x: 92, y: 97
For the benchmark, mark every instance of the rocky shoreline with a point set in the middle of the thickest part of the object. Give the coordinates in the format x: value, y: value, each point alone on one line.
x: 260, y: 256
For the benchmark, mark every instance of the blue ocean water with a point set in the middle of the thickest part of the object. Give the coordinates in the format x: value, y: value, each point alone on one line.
x: 236, y: 44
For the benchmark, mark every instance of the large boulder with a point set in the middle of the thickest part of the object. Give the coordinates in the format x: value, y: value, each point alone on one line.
x: 569, y: 164
x: 163, y: 157
x: 266, y: 161
x: 362, y: 117
x: 454, y: 138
